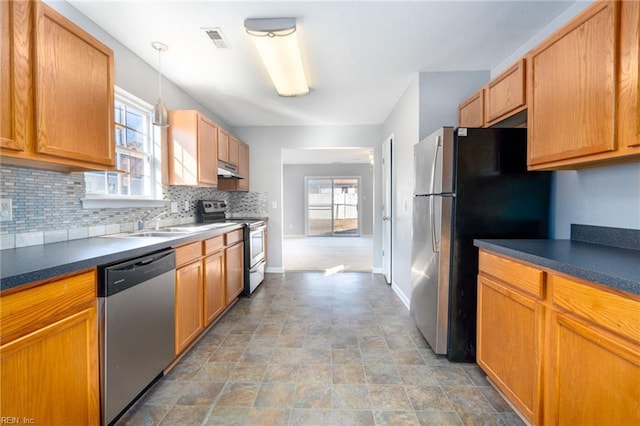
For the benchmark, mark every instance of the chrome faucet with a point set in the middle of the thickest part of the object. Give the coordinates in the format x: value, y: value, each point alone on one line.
x: 143, y: 220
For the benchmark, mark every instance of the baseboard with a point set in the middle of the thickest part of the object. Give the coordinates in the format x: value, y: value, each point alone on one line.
x: 401, y: 295
x: 294, y: 236
x: 274, y: 270
x: 377, y: 271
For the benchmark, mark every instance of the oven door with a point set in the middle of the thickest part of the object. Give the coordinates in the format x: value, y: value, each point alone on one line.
x: 256, y: 244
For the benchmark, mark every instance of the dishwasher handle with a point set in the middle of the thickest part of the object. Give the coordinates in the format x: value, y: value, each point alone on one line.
x: 119, y: 277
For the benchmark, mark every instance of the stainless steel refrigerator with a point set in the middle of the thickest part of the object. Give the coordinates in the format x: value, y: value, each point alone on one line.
x: 469, y: 183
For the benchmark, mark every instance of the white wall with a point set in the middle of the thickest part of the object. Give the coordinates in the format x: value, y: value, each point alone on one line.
x: 267, y: 143
x: 403, y: 123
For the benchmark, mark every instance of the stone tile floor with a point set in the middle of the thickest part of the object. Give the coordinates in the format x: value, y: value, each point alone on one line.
x: 309, y: 349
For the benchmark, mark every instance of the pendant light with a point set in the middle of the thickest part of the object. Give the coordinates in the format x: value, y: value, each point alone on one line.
x: 160, y: 114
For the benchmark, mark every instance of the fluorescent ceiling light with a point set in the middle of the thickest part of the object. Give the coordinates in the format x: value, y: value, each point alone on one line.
x: 277, y: 44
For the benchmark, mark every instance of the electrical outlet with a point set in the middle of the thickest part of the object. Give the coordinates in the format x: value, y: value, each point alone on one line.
x: 6, y: 210
x: 174, y: 207
x: 187, y: 205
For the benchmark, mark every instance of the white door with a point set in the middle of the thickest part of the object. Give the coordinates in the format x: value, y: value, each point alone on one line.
x: 386, y: 208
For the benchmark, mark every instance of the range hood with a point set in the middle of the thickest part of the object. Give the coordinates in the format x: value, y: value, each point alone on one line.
x: 228, y: 171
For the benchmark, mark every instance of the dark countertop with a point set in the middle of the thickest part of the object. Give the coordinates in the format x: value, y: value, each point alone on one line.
x: 24, y: 265
x: 615, y: 267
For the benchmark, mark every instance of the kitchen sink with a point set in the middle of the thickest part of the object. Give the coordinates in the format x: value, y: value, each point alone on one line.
x: 149, y: 234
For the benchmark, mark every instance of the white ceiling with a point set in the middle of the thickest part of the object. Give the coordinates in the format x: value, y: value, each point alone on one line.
x: 360, y: 56
x: 328, y: 156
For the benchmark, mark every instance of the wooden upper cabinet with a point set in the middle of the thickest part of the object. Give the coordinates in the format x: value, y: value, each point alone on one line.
x: 505, y: 95
x: 223, y: 145
x: 16, y: 111
x: 233, y: 150
x: 572, y: 80
x: 74, y: 91
x: 191, y: 149
x: 207, y: 152
x: 243, y: 166
x: 57, y: 94
x: 628, y: 95
x: 471, y: 111
x: 243, y: 170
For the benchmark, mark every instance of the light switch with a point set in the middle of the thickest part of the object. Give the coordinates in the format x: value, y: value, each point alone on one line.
x: 274, y: 204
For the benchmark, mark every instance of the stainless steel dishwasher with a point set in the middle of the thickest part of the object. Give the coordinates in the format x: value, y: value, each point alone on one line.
x: 136, y: 306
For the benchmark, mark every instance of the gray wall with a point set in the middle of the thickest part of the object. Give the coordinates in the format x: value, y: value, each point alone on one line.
x: 403, y: 124
x: 293, y: 190
x: 440, y: 94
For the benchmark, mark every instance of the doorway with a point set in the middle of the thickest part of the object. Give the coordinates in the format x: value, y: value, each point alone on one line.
x: 332, y: 206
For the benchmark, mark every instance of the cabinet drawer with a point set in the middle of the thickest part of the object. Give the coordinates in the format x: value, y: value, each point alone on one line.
x: 188, y: 252
x: 23, y: 311
x: 233, y: 237
x: 518, y: 275
x: 620, y: 314
x: 213, y: 244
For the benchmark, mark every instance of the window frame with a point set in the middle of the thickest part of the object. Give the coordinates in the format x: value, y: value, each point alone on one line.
x: 155, y: 174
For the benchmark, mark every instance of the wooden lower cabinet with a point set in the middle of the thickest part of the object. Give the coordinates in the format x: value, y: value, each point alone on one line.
x: 189, y: 296
x: 209, y: 277
x: 594, y: 356
x: 234, y: 271
x: 49, y: 357
x: 214, y: 289
x: 510, y: 330
x: 568, y: 354
x: 509, y: 339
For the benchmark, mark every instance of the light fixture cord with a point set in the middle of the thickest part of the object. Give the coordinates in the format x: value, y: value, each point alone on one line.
x: 160, y: 72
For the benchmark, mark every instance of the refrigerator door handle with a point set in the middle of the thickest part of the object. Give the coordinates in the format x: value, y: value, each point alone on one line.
x: 435, y: 245
x: 438, y: 144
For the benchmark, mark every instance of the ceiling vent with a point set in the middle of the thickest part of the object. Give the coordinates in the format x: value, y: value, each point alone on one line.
x: 216, y: 36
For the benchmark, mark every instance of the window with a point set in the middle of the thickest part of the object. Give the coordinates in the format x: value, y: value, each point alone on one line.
x: 137, y: 141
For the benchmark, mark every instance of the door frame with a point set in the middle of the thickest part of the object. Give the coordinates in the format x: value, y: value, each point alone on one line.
x: 387, y: 209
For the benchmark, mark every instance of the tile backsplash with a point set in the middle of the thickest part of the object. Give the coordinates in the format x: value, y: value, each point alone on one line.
x: 47, y: 207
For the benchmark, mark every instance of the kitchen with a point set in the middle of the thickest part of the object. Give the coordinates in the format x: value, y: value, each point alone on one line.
x: 606, y: 196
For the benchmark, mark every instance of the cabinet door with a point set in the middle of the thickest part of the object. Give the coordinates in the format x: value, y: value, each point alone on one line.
x: 243, y: 166
x: 189, y: 318
x: 233, y: 150
x: 223, y: 145
x: 629, y: 97
x: 471, y: 111
x: 182, y: 148
x: 207, y: 151
x: 505, y: 94
x: 234, y: 271
x: 74, y: 91
x: 509, y: 344
x: 214, y: 288
x: 51, y: 375
x: 15, y: 94
x: 572, y: 88
x: 593, y: 376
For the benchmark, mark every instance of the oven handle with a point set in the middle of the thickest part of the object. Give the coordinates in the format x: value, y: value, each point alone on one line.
x: 257, y: 266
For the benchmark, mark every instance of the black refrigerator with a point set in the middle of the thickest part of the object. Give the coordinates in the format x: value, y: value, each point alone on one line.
x: 469, y: 183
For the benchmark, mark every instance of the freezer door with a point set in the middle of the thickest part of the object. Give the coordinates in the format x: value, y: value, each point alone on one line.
x: 433, y: 162
x: 430, y: 276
